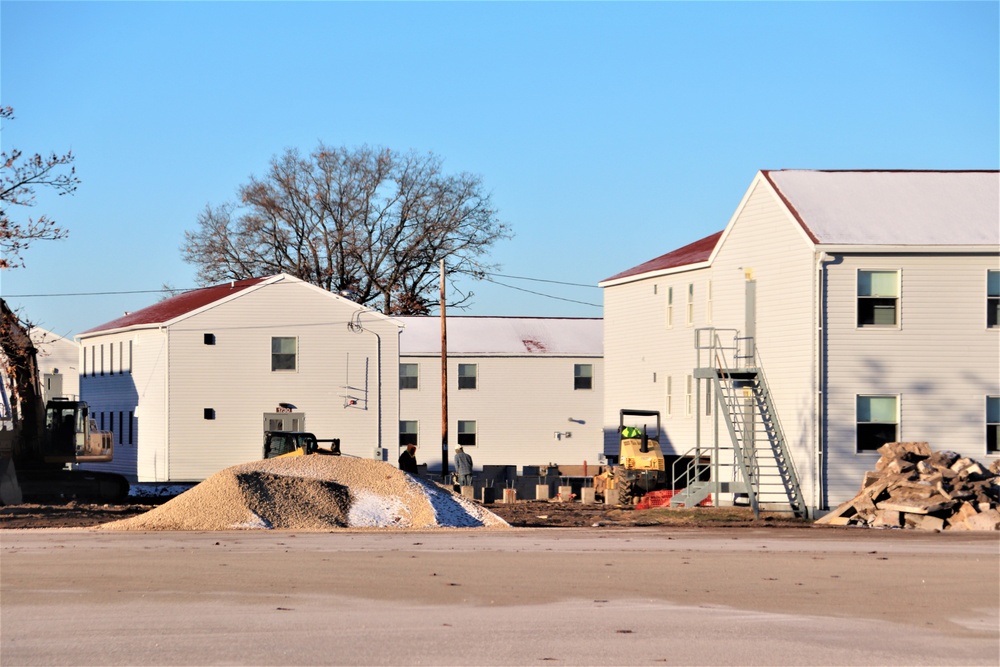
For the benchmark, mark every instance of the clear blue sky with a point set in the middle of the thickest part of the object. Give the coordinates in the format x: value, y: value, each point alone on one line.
x: 608, y: 133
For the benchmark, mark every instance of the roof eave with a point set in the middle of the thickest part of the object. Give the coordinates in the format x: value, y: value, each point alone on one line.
x: 859, y: 249
x: 654, y: 274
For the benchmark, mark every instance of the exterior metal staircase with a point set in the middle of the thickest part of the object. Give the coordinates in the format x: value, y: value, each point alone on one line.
x: 756, y: 465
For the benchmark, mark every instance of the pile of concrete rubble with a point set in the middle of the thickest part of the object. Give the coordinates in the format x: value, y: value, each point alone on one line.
x: 913, y: 486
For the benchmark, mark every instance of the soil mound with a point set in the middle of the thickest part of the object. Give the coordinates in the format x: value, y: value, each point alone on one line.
x: 313, y: 493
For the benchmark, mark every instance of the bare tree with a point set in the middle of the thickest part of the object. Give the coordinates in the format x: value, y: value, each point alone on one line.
x: 369, y: 221
x: 21, y: 176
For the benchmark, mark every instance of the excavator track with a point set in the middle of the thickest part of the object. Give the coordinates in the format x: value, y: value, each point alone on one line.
x: 80, y: 485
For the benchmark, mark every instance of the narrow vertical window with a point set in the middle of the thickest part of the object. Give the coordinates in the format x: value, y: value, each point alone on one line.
x: 121, y: 357
x: 670, y: 398
x: 877, y: 421
x: 93, y: 360
x: 708, y: 303
x: 467, y: 375
x: 131, y: 425
x: 84, y: 362
x: 283, y: 353
x: 689, y: 311
x: 992, y: 424
x: 130, y: 357
x: 670, y: 307
x: 688, y: 395
x: 583, y: 376
x: 102, y: 358
x: 993, y: 299
x: 121, y: 425
x: 878, y: 298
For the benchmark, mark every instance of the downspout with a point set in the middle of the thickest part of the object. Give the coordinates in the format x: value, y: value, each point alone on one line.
x: 819, y: 490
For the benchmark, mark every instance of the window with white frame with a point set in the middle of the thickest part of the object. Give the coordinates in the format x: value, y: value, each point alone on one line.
x: 689, y: 311
x: 283, y: 353
x: 708, y: 302
x: 408, y: 376
x: 466, y: 433
x: 877, y: 421
x: 992, y: 424
x: 688, y: 395
x: 878, y: 298
x: 670, y: 307
x: 670, y: 399
x: 407, y: 433
x: 583, y: 376
x: 993, y: 299
x: 467, y: 375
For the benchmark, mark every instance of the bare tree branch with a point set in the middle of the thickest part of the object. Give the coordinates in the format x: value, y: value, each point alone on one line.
x: 369, y: 220
x: 21, y: 176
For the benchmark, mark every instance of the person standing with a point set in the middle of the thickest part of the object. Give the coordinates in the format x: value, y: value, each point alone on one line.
x: 408, y: 460
x: 463, y: 467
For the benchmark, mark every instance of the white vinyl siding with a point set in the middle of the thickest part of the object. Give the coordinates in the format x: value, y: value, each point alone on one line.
x: 345, y: 386
x: 515, y: 418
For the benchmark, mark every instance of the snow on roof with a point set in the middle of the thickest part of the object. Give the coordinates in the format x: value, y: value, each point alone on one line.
x: 692, y: 253
x: 872, y: 208
x: 896, y: 208
x: 503, y: 335
x: 174, y: 307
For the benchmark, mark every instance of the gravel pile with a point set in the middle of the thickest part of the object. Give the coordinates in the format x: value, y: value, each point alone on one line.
x: 313, y: 492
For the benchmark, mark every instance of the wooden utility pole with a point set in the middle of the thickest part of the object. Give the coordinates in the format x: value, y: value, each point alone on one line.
x: 444, y: 385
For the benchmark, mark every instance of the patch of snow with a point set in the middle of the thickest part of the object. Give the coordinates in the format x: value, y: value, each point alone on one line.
x: 254, y: 522
x: 370, y: 510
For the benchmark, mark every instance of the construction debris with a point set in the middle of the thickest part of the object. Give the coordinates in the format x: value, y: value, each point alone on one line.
x: 313, y: 493
x: 913, y: 486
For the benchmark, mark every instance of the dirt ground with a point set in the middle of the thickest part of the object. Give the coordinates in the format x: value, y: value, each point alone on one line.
x: 522, y: 514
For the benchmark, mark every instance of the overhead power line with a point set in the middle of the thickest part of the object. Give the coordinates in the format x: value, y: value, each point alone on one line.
x: 488, y: 277
x: 542, y: 280
x: 548, y: 296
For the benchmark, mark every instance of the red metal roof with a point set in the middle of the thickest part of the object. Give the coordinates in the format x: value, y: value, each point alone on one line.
x: 174, y: 307
x: 692, y: 253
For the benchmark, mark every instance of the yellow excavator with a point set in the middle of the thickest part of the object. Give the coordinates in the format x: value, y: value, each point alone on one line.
x: 279, y: 444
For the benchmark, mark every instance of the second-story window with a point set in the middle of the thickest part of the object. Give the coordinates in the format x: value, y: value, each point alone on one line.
x: 467, y: 376
x: 583, y: 376
x: 878, y: 298
x: 408, y: 378
x: 993, y: 299
x: 283, y: 353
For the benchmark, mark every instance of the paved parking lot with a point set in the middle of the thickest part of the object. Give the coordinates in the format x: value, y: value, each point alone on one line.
x: 519, y: 597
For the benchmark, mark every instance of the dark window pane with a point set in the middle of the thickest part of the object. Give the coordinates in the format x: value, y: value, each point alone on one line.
x: 991, y: 438
x: 876, y: 312
x: 992, y: 312
x: 873, y: 436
